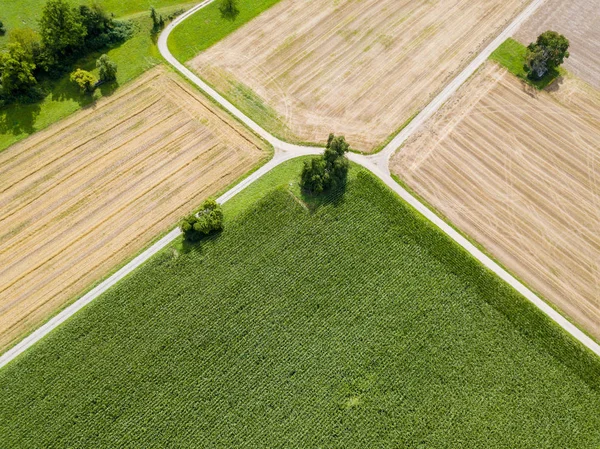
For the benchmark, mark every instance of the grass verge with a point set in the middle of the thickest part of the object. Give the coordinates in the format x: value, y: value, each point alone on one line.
x: 512, y: 55
x: 207, y: 26
x: 344, y: 321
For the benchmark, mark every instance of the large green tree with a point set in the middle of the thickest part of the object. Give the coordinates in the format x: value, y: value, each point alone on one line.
x: 328, y: 171
x: 62, y: 30
x: 546, y: 54
x: 16, y: 71
x: 208, y: 220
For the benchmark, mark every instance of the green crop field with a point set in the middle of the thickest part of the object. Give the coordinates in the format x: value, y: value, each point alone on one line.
x: 347, y: 321
x: 512, y: 55
x: 206, y: 27
x: 133, y: 57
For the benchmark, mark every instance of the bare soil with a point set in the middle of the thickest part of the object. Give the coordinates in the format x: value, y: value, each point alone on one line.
x: 519, y: 171
x: 359, y: 68
x: 579, y: 21
x: 86, y: 194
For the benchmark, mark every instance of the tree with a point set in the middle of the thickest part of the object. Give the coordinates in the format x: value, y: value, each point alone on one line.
x: 107, y: 68
x: 208, y: 220
x: 2, y: 29
x: 546, y: 54
x: 229, y: 9
x: 62, y: 29
x: 158, y: 21
x: 84, y: 79
x: 16, y: 71
x: 328, y: 171
x: 29, y: 40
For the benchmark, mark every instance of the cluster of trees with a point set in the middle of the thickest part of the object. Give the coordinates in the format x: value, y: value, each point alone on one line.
x: 208, y: 220
x: 87, y: 82
x: 546, y: 54
x: 66, y: 33
x: 328, y: 171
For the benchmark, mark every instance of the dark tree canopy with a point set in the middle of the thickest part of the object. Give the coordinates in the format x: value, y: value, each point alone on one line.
x: 328, y: 171
x: 229, y: 9
x: 546, y: 54
x: 16, y: 70
x: 61, y: 28
x: 209, y: 219
x: 107, y: 69
x: 2, y: 29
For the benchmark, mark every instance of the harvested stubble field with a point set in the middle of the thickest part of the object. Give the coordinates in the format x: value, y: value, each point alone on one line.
x: 363, y: 68
x: 344, y: 322
x: 518, y: 170
x: 83, y: 196
x: 579, y: 21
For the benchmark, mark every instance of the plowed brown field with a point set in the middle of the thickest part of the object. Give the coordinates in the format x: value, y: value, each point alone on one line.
x: 519, y: 171
x: 85, y: 195
x: 359, y: 68
x: 579, y: 21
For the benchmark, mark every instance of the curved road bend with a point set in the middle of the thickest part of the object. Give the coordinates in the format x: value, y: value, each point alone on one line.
x: 378, y: 164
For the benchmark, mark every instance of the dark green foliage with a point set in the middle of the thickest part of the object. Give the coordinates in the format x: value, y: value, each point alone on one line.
x: 229, y: 9
x: 209, y: 219
x: 546, y: 54
x: 328, y: 171
x: 2, y: 29
x: 357, y: 325
x: 30, y: 41
x: 158, y: 21
x: 16, y: 71
x: 62, y: 30
x: 107, y: 69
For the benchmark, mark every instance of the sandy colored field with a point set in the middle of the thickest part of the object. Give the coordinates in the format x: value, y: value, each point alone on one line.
x: 83, y: 196
x: 359, y: 68
x: 519, y: 171
x: 579, y: 20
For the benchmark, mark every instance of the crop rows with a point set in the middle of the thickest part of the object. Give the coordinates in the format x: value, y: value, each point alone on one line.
x: 337, y: 322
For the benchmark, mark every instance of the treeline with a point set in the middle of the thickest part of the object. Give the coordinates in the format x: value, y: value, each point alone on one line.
x: 65, y: 34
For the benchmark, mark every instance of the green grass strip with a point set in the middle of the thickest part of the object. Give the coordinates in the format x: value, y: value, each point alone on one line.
x: 512, y: 55
x: 207, y: 26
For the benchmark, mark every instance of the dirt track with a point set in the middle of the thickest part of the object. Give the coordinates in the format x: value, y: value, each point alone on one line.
x: 518, y: 170
x: 359, y: 68
x: 579, y: 21
x: 81, y: 197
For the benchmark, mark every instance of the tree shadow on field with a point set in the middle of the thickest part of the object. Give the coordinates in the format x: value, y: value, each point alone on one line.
x: 555, y: 85
x: 313, y: 201
x: 195, y: 246
x: 18, y: 118
x: 229, y: 10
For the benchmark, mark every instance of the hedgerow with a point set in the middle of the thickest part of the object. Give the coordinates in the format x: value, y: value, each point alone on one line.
x: 346, y: 321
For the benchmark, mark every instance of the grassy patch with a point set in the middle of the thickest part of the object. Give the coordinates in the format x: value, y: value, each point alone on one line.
x: 512, y: 55
x: 348, y: 323
x: 133, y: 57
x: 206, y: 27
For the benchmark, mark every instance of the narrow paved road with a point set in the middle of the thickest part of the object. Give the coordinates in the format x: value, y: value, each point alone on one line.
x: 378, y: 164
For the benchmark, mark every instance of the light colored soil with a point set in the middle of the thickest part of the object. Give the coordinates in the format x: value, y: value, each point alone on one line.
x: 579, y: 21
x: 358, y: 68
x: 519, y: 171
x: 85, y: 195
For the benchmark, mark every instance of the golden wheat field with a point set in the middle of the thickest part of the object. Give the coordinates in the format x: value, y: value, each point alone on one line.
x: 358, y: 68
x: 519, y: 171
x: 84, y: 195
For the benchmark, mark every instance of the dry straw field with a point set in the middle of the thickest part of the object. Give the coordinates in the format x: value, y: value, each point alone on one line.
x: 360, y: 68
x: 518, y: 170
x: 579, y: 21
x: 83, y: 196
